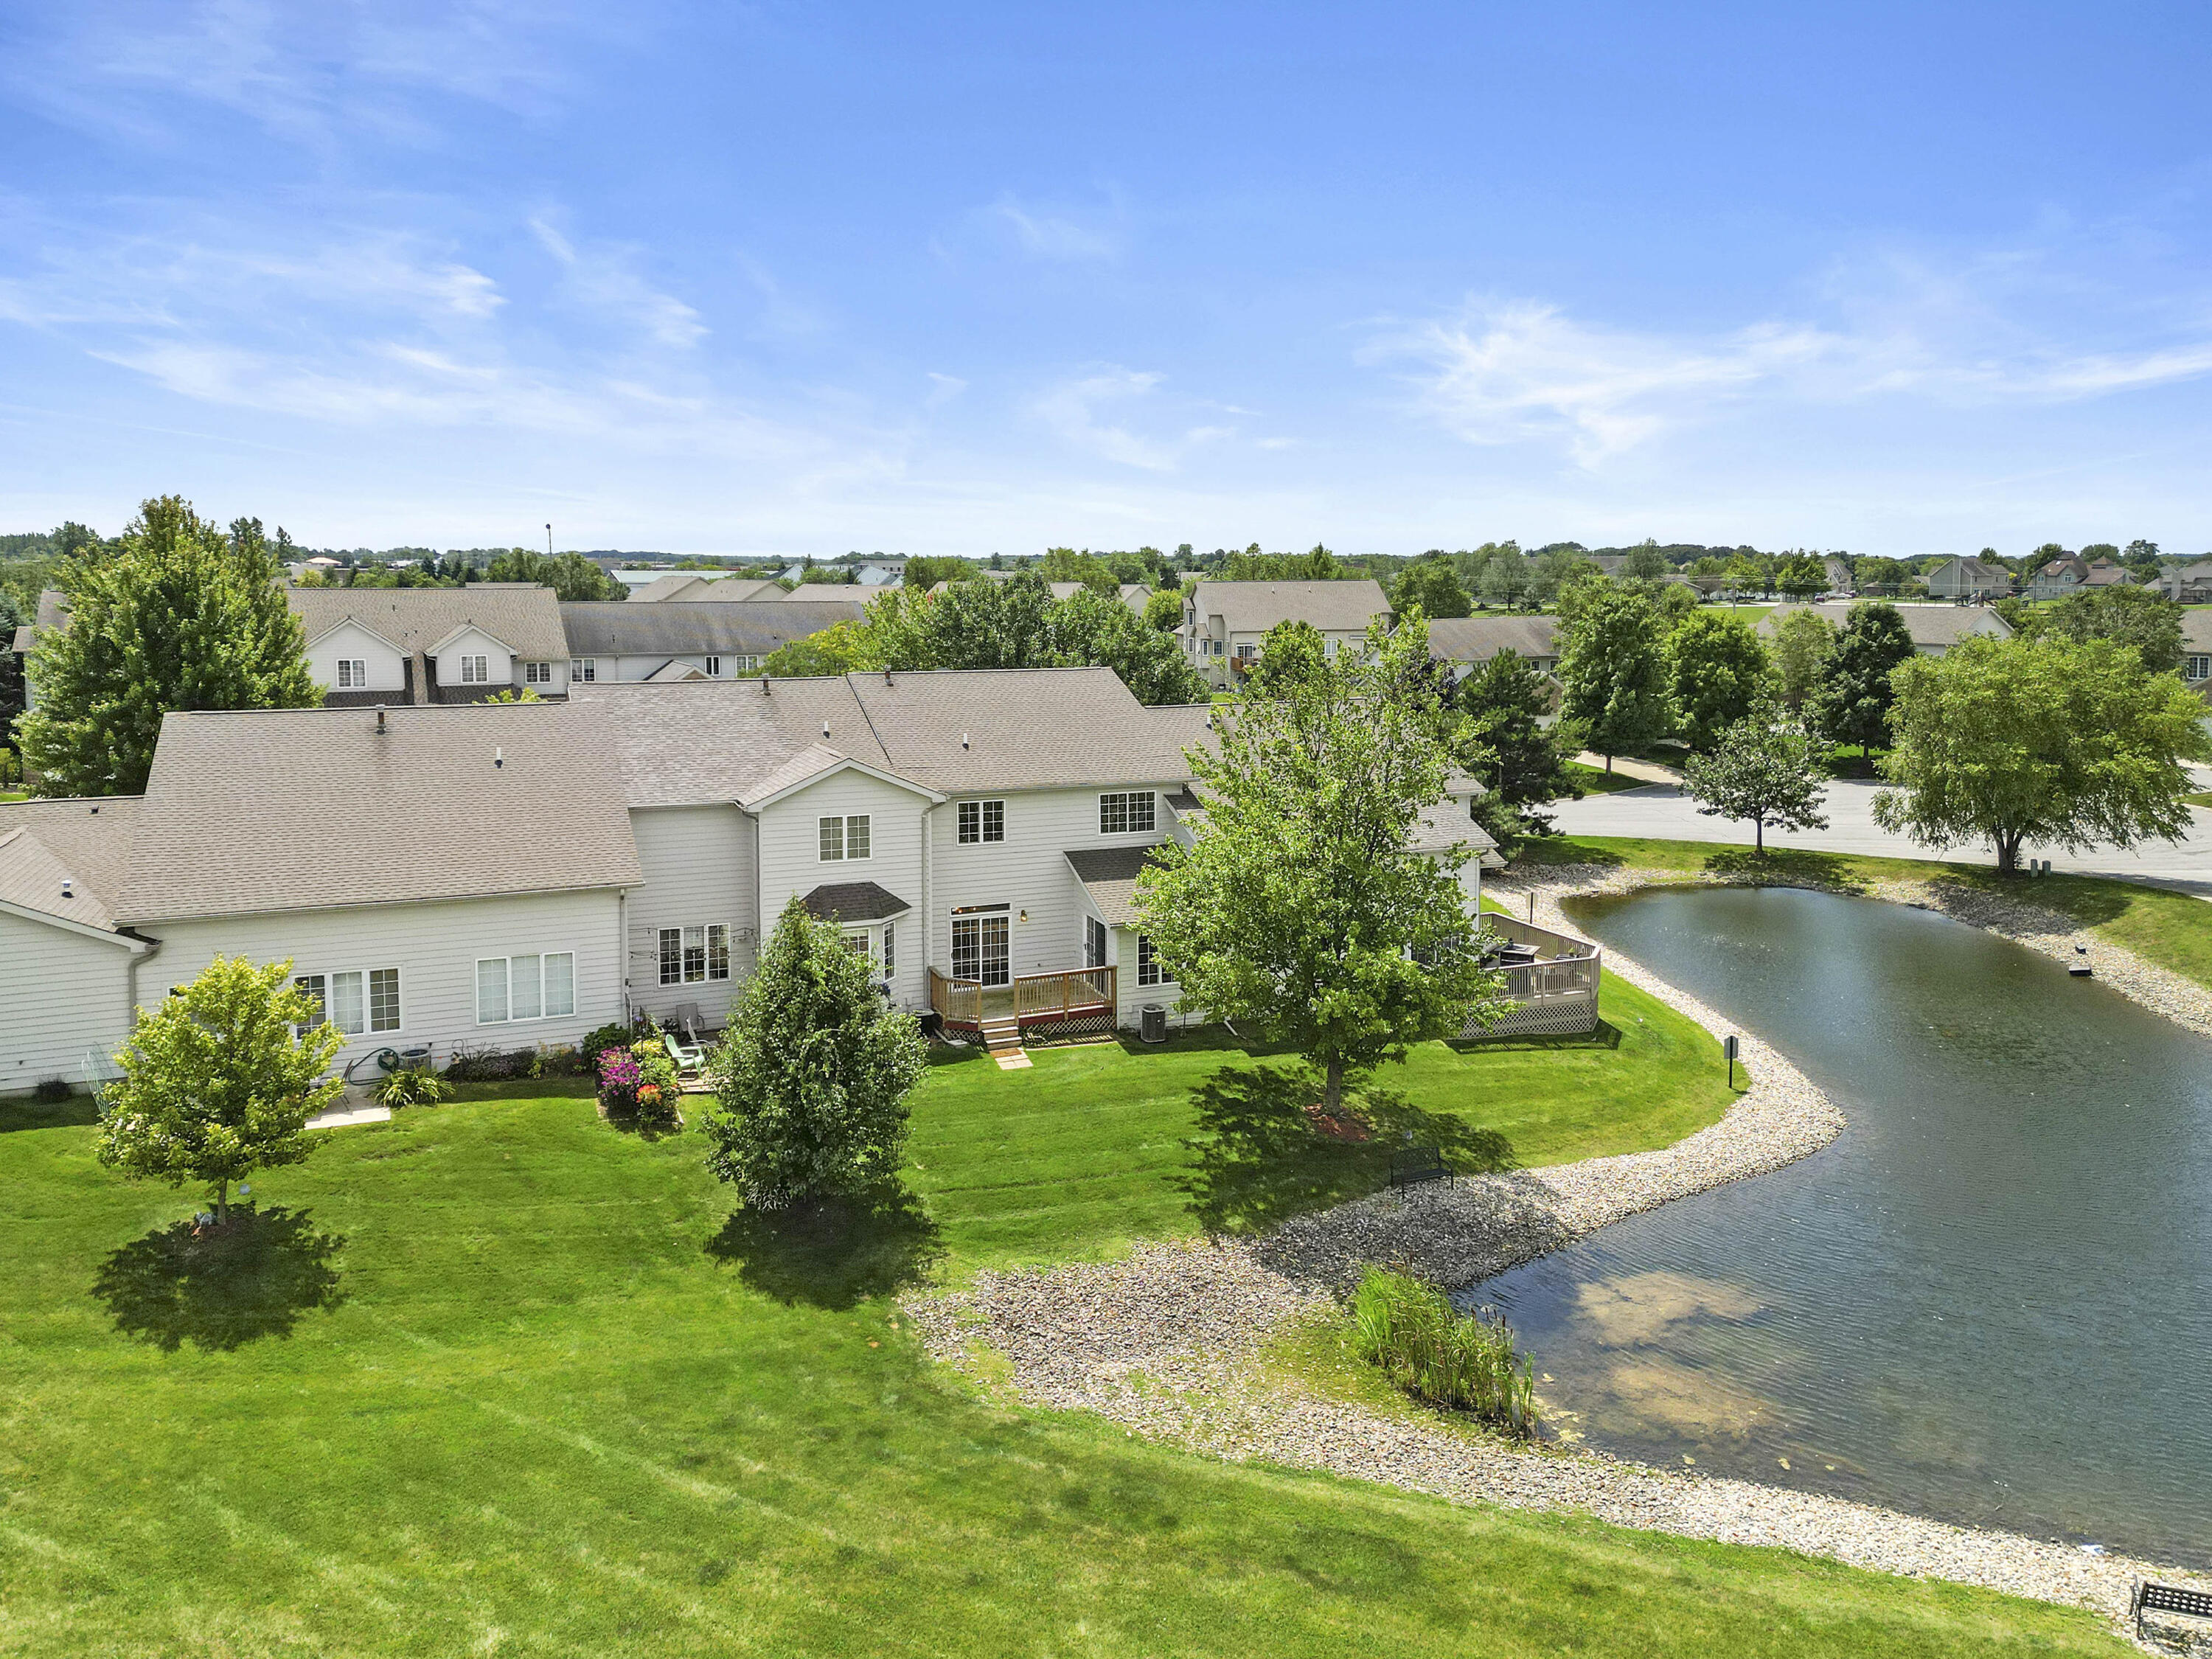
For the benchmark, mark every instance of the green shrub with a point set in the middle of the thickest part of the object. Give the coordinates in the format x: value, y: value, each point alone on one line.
x: 411, y: 1086
x: 1423, y: 1345
x: 51, y: 1092
x: 609, y: 1036
x: 491, y: 1064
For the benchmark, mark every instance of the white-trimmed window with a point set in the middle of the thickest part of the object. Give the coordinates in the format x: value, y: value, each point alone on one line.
x: 1148, y: 962
x: 982, y: 821
x: 539, y: 986
x: 2198, y: 668
x: 587, y: 669
x: 537, y: 673
x: 355, y: 999
x: 1094, y: 942
x: 690, y: 956
x: 1127, y: 814
x: 888, y: 961
x: 746, y: 665
x: 353, y: 673
x: 476, y: 671
x: 714, y: 668
x: 844, y: 837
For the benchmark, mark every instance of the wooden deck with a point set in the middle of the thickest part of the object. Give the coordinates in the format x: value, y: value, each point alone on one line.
x: 1073, y: 994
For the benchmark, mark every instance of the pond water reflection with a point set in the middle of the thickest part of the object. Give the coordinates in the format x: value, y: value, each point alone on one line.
x: 1990, y: 1300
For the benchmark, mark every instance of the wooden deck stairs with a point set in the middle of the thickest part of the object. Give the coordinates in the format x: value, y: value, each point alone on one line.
x: 1002, y: 1035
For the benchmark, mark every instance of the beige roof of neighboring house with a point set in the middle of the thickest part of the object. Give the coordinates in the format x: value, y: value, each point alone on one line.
x: 308, y: 808
x: 1478, y: 639
x: 1255, y: 607
x: 2196, y: 635
x: 53, y: 612
x: 1928, y: 624
x: 1446, y: 825
x: 744, y: 627
x: 694, y: 584
x: 697, y: 741
x: 1134, y: 594
x: 85, y: 841
x: 523, y: 617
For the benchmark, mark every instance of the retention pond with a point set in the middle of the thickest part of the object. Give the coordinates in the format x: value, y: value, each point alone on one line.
x: 1990, y: 1301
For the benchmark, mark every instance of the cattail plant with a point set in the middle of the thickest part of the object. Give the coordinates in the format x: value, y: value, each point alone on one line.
x: 1423, y: 1345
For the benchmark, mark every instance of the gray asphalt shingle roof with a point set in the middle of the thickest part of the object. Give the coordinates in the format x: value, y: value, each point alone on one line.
x: 1478, y: 639
x: 1108, y: 875
x: 1942, y: 625
x: 853, y: 901
x: 1255, y: 607
x: 741, y: 628
x: 86, y: 841
x: 305, y: 808
x: 1027, y: 728
x: 521, y: 615
x: 688, y: 743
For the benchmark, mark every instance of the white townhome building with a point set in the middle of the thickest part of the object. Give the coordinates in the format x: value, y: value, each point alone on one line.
x: 1224, y: 624
x: 505, y: 875
x: 680, y: 639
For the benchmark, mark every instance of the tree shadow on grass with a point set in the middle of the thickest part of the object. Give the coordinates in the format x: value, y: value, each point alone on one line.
x: 28, y: 1112
x: 221, y: 1289
x: 1257, y: 1159
x: 1785, y: 866
x: 832, y: 1255
x: 1537, y: 851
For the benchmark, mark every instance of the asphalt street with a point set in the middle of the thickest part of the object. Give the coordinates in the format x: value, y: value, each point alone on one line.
x: 1662, y: 812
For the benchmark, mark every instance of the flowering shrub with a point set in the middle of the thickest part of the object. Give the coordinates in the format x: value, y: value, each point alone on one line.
x: 637, y: 1085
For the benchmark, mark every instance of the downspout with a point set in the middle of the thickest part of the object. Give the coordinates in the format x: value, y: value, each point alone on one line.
x: 152, y: 948
x: 928, y: 910
x: 622, y: 951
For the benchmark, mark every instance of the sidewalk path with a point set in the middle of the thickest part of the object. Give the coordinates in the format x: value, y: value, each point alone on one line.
x: 1649, y: 771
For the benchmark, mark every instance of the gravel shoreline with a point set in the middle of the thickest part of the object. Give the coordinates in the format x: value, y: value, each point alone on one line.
x: 1168, y: 1342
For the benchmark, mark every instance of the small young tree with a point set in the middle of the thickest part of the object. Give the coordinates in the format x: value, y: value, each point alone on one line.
x: 1851, y: 703
x: 1802, y: 640
x: 1613, y: 662
x: 178, y: 617
x: 220, y: 1080
x: 1716, y: 670
x: 2021, y: 741
x: 1765, y: 769
x: 1298, y: 908
x: 810, y: 1080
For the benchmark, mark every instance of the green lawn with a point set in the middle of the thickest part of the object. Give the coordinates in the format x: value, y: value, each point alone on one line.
x: 1099, y: 1144
x: 1596, y: 780
x: 2172, y: 929
x: 495, y: 1378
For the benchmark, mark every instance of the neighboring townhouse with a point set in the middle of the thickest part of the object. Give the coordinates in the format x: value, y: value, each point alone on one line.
x: 424, y: 645
x: 1133, y: 594
x: 2186, y: 584
x: 500, y: 876
x: 618, y: 640
x: 1969, y: 579
x: 1466, y: 643
x: 1934, y: 628
x: 2072, y: 574
x: 1838, y: 570
x: 53, y: 612
x: 1223, y: 624
x: 2197, y: 652
x: 369, y: 645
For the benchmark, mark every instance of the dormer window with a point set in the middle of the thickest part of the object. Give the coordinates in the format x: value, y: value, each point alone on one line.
x: 476, y: 671
x: 353, y: 673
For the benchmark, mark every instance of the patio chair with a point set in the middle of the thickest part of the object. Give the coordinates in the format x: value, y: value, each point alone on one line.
x: 690, y: 1054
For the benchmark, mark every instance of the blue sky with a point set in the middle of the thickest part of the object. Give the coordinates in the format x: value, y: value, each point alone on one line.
x: 709, y: 278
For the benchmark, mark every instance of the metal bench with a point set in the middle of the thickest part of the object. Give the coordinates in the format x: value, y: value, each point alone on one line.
x: 1415, y: 1164
x: 2151, y: 1597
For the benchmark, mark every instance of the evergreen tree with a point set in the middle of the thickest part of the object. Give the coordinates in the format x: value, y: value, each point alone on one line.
x: 1503, y: 700
x: 1613, y: 662
x: 811, y: 1078
x: 1852, y: 702
x: 1765, y: 770
x: 176, y: 617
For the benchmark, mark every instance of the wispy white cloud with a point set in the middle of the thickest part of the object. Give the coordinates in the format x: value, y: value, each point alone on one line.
x: 943, y: 389
x: 1053, y: 235
x: 1071, y: 409
x: 604, y: 277
x: 1508, y: 371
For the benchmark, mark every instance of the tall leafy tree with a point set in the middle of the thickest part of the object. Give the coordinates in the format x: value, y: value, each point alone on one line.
x: 1097, y: 630
x: 570, y: 575
x: 1432, y: 586
x: 1802, y: 640
x: 1716, y: 669
x: 1504, y: 579
x: 1852, y: 702
x: 220, y: 1080
x: 1644, y: 561
x: 2046, y: 742
x: 844, y: 648
x: 1065, y: 564
x: 811, y: 1078
x: 1613, y: 662
x: 1163, y: 610
x: 1505, y: 700
x: 1803, y: 577
x: 1298, y: 908
x: 176, y: 616
x: 2124, y: 614
x: 1765, y: 770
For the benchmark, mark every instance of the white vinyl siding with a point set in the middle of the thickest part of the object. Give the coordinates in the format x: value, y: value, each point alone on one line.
x: 63, y: 1004
x: 699, y: 863
x: 792, y: 866
x: 434, y: 947
x: 349, y: 658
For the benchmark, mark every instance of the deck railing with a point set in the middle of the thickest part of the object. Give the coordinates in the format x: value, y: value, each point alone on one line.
x: 1556, y: 992
x: 1063, y: 995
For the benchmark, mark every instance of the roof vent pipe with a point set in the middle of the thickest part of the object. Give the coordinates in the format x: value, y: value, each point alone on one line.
x: 763, y: 685
x: 499, y: 758
x: 963, y: 739
x: 68, y: 888
x: 380, y: 722
x: 825, y: 728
